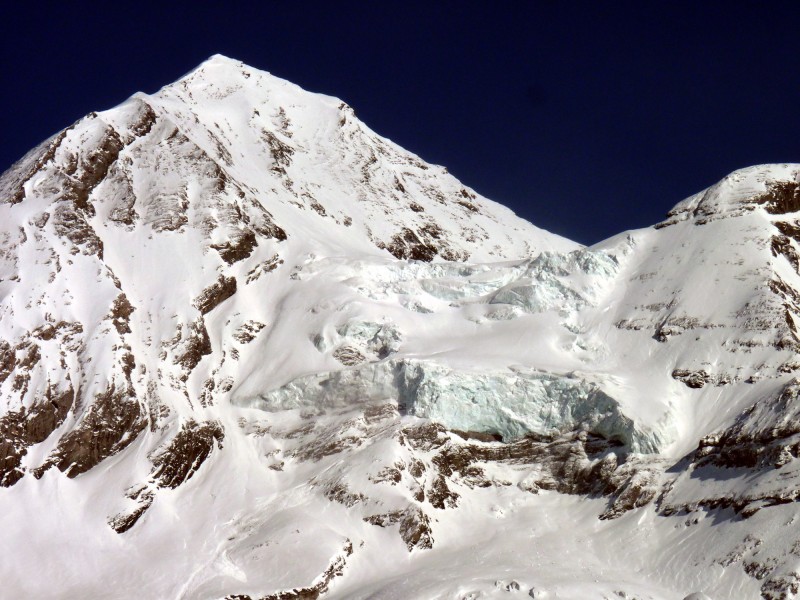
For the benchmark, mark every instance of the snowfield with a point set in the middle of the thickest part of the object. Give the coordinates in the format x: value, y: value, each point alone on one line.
x: 250, y: 349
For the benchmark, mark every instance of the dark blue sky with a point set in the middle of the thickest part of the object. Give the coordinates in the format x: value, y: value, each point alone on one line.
x: 586, y: 119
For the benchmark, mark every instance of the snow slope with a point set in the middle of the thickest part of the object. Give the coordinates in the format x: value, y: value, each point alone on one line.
x: 251, y: 349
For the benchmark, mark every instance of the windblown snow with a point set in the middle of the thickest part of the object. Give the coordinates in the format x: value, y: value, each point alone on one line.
x: 250, y: 349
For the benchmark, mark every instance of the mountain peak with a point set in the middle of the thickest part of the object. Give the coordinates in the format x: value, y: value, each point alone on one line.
x: 774, y: 187
x: 219, y: 64
x: 221, y: 58
x: 221, y: 72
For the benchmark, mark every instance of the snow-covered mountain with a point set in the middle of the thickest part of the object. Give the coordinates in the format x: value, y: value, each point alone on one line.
x: 251, y: 349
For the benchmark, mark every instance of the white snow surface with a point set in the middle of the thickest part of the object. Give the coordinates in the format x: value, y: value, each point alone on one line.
x: 366, y: 278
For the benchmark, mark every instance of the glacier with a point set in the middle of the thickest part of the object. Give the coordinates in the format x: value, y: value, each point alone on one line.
x: 510, y: 404
x: 249, y: 348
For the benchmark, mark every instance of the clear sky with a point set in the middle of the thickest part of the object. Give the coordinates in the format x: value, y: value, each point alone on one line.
x: 586, y: 119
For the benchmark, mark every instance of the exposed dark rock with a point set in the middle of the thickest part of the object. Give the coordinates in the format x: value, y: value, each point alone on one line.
x: 440, y: 495
x: 757, y: 570
x: 123, y: 522
x: 72, y: 224
x: 375, y: 413
x: 121, y: 312
x: 468, y: 205
x: 281, y: 152
x: 127, y: 362
x: 215, y: 294
x: 123, y: 211
x: 781, y: 587
x: 26, y: 427
x: 417, y: 468
x: 45, y: 333
x: 191, y: 351
x: 327, y: 444
x: 415, y: 530
x: 94, y: 168
x: 749, y: 444
x: 781, y: 245
x: 479, y: 436
x: 407, y: 245
x: 238, y: 248
x: 392, y: 475
x: 173, y: 465
x: 348, y: 356
x: 789, y: 228
x: 113, y: 421
x: 781, y: 197
x: 207, y: 392
x: 265, y: 226
x: 147, y: 118
x: 674, y: 326
x: 632, y: 486
x: 264, y: 267
x: 169, y: 214
x: 424, y: 437
x: 339, y: 492
x: 186, y: 452
x: 753, y: 444
x: 787, y: 338
x: 47, y: 154
x: 28, y: 354
x: 575, y: 463
x: 313, y: 592
x: 465, y: 201
x: 415, y: 526
x: 247, y: 332
x: 8, y: 359
x: 692, y: 379
x: 319, y: 209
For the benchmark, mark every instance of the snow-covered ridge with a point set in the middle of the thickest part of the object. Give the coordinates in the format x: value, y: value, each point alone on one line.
x: 235, y: 320
x: 309, y: 151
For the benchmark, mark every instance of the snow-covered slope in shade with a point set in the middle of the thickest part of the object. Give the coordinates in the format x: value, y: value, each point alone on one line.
x: 251, y: 349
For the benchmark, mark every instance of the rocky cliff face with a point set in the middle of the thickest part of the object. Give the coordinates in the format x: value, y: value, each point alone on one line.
x: 237, y: 322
